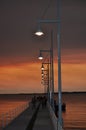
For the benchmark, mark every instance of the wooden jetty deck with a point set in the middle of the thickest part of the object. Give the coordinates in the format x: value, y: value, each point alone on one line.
x: 21, y: 122
x: 32, y: 119
x: 43, y: 121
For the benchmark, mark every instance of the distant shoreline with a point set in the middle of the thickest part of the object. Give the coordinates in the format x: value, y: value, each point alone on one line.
x: 40, y: 93
x: 27, y: 96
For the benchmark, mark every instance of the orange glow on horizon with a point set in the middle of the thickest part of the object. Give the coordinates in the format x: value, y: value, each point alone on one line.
x: 26, y: 78
x: 19, y: 78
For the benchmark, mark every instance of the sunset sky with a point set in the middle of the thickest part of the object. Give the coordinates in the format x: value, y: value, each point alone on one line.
x: 19, y: 48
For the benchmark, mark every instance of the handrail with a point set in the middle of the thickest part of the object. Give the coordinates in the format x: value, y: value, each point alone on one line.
x: 7, y: 118
x: 53, y: 117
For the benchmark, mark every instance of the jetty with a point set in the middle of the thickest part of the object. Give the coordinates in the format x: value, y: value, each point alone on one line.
x: 34, y: 119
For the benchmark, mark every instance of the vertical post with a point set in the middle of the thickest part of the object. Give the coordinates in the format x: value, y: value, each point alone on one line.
x: 50, y: 79
x: 52, y: 71
x: 59, y: 65
x: 48, y: 83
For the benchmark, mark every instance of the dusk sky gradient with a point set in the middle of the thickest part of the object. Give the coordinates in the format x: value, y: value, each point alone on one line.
x: 19, y: 48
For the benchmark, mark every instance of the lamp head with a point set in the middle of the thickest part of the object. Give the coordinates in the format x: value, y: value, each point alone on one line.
x: 40, y: 56
x: 42, y: 68
x: 39, y: 32
x: 42, y: 73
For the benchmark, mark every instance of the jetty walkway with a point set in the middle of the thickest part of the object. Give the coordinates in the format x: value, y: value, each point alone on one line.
x: 32, y: 119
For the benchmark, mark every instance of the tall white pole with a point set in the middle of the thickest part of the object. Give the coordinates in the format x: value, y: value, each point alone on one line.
x: 52, y: 71
x: 58, y: 21
x: 59, y: 65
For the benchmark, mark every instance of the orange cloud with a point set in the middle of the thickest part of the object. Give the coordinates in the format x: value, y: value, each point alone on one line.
x: 73, y: 77
x: 73, y: 70
x: 26, y: 78
x: 20, y: 77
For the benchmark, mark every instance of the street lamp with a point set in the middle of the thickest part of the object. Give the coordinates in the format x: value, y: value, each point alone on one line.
x: 51, y: 72
x: 46, y: 78
x: 42, y: 67
x: 40, y: 56
x: 39, y: 32
x: 58, y: 21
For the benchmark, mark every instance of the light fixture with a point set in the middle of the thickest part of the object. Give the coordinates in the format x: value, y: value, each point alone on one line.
x: 40, y: 56
x: 39, y: 33
x: 42, y: 67
x: 42, y: 73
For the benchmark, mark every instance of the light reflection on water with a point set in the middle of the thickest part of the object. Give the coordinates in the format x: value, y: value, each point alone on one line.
x: 9, y: 110
x: 75, y: 115
x: 6, y: 106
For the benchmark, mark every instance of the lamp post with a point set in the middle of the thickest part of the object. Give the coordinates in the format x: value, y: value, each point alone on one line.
x: 46, y: 78
x: 51, y: 71
x: 58, y: 21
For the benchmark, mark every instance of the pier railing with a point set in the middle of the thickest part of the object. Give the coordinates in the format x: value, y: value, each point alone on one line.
x: 8, y: 117
x: 53, y: 117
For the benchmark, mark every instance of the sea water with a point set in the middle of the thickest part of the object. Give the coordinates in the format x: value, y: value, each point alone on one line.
x: 74, y: 118
x: 10, y: 108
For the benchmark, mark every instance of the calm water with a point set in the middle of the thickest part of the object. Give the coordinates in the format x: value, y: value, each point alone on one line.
x: 74, y: 117
x: 11, y: 107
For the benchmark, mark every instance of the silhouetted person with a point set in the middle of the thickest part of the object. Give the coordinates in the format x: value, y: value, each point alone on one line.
x: 44, y: 102
x: 56, y: 108
x: 33, y: 102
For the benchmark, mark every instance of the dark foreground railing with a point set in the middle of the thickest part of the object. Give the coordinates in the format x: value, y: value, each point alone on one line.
x: 7, y: 118
x: 53, y: 117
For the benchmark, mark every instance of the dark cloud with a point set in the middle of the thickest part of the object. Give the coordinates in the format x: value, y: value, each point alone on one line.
x: 19, y: 21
